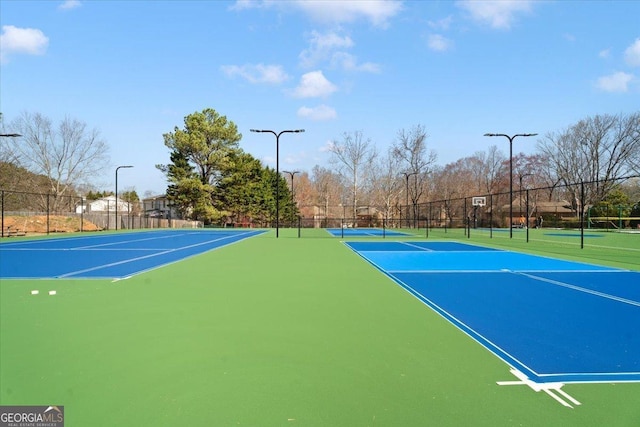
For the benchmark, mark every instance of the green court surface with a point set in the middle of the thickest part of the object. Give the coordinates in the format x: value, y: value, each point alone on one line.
x: 280, y: 332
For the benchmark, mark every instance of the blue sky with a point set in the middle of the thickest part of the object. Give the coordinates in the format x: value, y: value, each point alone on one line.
x: 135, y: 69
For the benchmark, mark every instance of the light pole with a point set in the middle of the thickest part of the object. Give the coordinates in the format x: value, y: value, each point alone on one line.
x: 119, y: 167
x: 292, y: 174
x: 277, y: 135
x: 406, y: 177
x: 510, y: 138
x: 10, y: 135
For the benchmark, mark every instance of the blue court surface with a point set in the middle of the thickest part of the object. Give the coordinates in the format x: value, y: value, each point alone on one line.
x: 109, y: 255
x: 553, y: 320
x: 365, y: 232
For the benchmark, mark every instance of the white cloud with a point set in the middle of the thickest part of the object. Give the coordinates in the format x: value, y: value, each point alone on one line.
x: 442, y: 24
x: 498, y: 14
x: 244, y: 4
x: 257, y: 73
x: 70, y: 4
x: 321, y: 47
x: 314, y: 85
x: 605, y: 53
x: 14, y: 40
x: 632, y: 54
x: 331, y: 47
x: 439, y: 43
x: 319, y: 113
x: 328, y: 147
x: 616, y: 82
x: 378, y: 12
x: 348, y: 62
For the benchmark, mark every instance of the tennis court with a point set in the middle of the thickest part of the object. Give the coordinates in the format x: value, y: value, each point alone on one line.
x: 552, y: 320
x: 108, y: 256
x: 365, y: 232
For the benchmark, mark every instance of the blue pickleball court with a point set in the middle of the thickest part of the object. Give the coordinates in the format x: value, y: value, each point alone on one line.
x: 553, y: 320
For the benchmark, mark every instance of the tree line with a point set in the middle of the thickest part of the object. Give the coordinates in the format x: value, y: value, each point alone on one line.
x: 210, y: 178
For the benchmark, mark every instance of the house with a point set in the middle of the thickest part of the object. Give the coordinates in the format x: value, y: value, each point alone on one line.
x: 159, y: 207
x: 105, y: 204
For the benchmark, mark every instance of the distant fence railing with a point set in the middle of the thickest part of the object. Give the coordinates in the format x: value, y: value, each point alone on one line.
x: 25, y: 213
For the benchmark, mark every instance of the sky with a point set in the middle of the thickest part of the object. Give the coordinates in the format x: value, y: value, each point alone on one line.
x: 134, y: 70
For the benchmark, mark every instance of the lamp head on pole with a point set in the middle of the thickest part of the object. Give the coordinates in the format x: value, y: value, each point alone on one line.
x: 270, y: 131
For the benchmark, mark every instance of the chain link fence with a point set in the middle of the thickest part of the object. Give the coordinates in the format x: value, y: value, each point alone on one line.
x: 24, y: 213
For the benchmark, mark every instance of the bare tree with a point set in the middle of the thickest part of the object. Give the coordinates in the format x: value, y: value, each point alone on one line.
x: 68, y: 155
x: 596, y: 150
x: 411, y: 148
x: 451, y: 184
x: 327, y: 187
x: 386, y: 187
x: 352, y: 155
x: 490, y: 170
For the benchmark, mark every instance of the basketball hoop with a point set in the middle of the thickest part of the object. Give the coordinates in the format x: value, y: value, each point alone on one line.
x: 479, y: 201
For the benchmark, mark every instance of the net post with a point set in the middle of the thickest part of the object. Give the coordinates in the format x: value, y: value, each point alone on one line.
x: 527, y: 209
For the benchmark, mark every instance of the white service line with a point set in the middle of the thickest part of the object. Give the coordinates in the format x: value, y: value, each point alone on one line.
x: 580, y: 289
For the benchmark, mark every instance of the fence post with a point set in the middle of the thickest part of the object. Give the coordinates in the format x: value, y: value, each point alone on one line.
x: 581, y: 214
x: 619, y: 217
x: 527, y: 210
x: 48, y: 214
x: 81, y: 214
x: 466, y: 216
x: 491, y: 216
x: 2, y: 209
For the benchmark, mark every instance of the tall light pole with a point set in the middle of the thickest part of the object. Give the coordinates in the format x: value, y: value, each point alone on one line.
x: 292, y: 174
x: 119, y: 167
x: 277, y: 135
x: 406, y: 177
x: 510, y: 138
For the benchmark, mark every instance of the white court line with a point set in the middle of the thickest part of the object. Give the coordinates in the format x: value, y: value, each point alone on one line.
x: 581, y: 289
x: 488, y: 344
x: 78, y: 249
x: 548, y: 388
x: 73, y: 273
x: 446, y: 271
x: 485, y: 342
x: 71, y: 239
x: 416, y: 246
x: 126, y: 241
